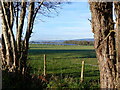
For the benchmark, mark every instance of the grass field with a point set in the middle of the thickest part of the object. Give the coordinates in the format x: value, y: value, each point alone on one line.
x: 64, y: 65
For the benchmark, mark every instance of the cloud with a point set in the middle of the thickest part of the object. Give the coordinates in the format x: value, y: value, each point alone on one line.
x: 63, y: 22
x: 72, y: 28
x: 71, y: 23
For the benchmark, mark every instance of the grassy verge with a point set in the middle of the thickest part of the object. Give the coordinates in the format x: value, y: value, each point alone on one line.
x: 64, y: 65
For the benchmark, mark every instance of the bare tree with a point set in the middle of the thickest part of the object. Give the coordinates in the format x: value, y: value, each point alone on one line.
x: 14, y: 14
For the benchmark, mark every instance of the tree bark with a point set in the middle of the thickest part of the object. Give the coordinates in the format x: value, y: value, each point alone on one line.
x: 5, y: 38
x: 20, y: 30
x: 103, y: 29
x: 14, y: 52
x: 20, y: 26
x: 117, y: 12
x: 27, y: 36
x: 15, y: 49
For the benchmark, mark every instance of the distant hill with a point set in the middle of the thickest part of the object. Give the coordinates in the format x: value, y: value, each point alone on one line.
x: 86, y: 39
x: 60, y: 41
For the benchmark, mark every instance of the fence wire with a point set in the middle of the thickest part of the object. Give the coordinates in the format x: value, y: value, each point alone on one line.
x: 64, y: 67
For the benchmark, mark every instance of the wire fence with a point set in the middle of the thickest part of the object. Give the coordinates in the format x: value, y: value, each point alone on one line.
x: 70, y: 66
x: 63, y: 66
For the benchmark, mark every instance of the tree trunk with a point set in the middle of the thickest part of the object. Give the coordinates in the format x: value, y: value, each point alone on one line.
x: 14, y: 52
x: 103, y: 29
x: 15, y: 48
x: 117, y: 12
x: 19, y: 33
x: 8, y: 36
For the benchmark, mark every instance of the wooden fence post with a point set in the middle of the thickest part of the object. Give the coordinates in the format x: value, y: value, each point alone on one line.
x: 44, y: 65
x: 82, y: 72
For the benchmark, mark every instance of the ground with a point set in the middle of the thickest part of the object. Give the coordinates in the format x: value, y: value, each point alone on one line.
x: 64, y: 65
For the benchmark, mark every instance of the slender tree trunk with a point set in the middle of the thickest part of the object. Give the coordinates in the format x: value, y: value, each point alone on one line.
x: 10, y: 40
x: 14, y: 52
x: 3, y: 52
x: 20, y: 30
x: 15, y: 48
x: 103, y: 29
x: 27, y: 36
x: 5, y: 40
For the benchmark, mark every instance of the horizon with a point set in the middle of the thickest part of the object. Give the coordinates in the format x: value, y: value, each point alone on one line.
x: 63, y: 39
x: 71, y: 23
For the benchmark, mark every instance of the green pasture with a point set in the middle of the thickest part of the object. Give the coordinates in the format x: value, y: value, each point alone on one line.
x: 64, y: 65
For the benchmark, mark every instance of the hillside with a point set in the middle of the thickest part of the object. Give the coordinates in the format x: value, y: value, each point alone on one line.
x: 61, y: 41
x: 86, y: 39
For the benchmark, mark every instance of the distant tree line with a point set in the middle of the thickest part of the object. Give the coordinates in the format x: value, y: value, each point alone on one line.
x: 79, y: 42
x: 41, y: 42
